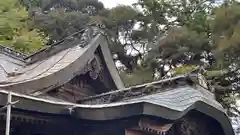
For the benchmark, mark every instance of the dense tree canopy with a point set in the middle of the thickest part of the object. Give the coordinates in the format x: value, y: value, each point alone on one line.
x: 182, y: 35
x: 198, y: 33
x: 59, y: 18
x: 15, y: 30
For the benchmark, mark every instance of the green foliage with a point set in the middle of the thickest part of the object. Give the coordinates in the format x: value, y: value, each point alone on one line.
x: 84, y: 6
x: 119, y: 22
x: 216, y: 73
x: 137, y: 77
x: 59, y: 24
x: 183, y: 69
x: 59, y: 19
x: 123, y: 16
x: 198, y: 33
x: 226, y: 33
x: 14, y: 30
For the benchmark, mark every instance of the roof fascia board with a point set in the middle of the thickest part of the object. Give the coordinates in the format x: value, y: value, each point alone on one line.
x: 12, y: 53
x: 110, y: 63
x: 50, y: 80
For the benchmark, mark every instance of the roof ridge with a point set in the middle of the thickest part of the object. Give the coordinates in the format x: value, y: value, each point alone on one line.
x: 25, y: 58
x: 12, y: 53
x: 81, y: 38
x: 55, y: 43
x: 155, y: 84
x: 62, y: 40
x: 147, y: 88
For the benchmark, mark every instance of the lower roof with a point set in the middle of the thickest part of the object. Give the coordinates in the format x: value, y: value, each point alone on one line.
x: 171, y: 105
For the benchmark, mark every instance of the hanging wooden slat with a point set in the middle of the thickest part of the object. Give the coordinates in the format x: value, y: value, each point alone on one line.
x: 134, y: 132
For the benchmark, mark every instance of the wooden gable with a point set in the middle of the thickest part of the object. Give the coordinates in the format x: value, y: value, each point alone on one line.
x: 80, y: 65
x: 93, y: 79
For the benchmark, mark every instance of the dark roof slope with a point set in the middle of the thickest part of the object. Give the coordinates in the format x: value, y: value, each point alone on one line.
x: 59, y: 63
x: 172, y: 103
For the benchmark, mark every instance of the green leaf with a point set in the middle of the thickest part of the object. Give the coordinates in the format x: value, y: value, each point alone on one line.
x: 14, y: 30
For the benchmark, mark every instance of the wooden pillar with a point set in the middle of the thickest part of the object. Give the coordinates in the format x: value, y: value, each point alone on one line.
x: 8, y: 115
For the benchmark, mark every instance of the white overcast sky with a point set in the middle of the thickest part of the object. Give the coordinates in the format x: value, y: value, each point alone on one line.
x: 113, y: 3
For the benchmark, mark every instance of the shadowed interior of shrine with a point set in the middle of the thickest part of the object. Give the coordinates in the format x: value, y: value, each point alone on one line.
x: 193, y: 123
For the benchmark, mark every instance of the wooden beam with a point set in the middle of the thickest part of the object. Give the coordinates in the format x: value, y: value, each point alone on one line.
x: 154, y: 126
x: 134, y: 132
x: 24, y: 118
x: 149, y: 127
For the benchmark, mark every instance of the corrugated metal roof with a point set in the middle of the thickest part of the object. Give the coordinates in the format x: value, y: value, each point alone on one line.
x: 177, y: 99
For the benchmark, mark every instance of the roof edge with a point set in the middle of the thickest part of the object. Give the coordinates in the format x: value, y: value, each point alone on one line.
x: 12, y: 53
x: 108, y: 58
x: 28, y: 58
x: 117, y: 111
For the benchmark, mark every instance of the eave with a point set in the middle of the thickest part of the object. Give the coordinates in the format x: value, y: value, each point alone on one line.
x: 173, y: 108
